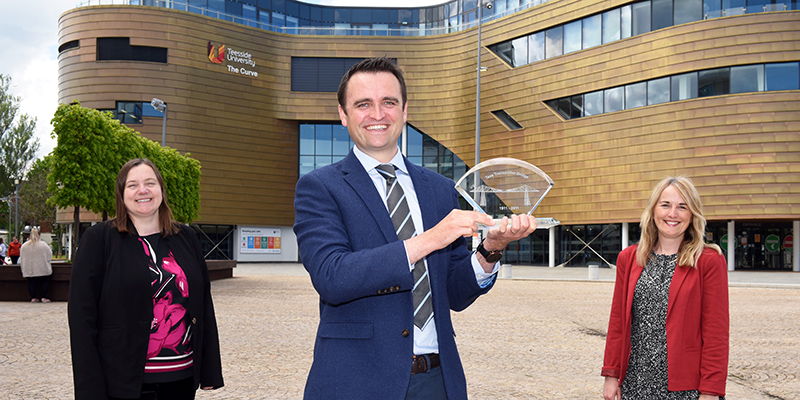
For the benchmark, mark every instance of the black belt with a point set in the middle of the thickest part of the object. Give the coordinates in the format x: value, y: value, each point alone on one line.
x: 419, y: 364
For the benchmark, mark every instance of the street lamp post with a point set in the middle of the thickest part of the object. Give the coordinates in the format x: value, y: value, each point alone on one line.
x: 16, y: 208
x: 479, y: 69
x: 161, y: 106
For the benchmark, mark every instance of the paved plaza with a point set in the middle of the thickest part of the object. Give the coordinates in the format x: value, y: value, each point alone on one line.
x: 537, y: 336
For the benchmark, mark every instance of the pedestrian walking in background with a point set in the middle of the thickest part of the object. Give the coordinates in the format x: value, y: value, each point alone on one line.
x: 669, y: 324
x: 13, y: 250
x: 141, y: 319
x: 3, y: 251
x: 36, y: 267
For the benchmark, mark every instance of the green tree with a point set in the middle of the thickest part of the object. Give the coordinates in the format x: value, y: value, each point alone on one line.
x: 18, y: 146
x: 33, y: 206
x: 92, y: 147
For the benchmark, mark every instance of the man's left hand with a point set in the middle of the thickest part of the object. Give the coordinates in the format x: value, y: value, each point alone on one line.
x: 504, y: 233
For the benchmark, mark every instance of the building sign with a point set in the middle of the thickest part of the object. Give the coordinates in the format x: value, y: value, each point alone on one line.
x: 238, y: 62
x: 788, y: 242
x: 260, y: 240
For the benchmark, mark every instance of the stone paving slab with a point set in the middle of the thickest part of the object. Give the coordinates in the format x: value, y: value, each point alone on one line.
x: 526, y: 339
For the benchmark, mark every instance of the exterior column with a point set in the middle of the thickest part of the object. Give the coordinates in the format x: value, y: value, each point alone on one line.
x: 552, y: 251
x: 69, y: 242
x: 795, y: 247
x: 731, y: 245
x: 625, y: 231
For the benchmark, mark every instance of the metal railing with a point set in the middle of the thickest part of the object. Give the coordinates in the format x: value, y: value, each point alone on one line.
x: 421, y: 29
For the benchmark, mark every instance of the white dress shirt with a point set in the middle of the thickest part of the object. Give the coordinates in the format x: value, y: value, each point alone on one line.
x: 425, y: 341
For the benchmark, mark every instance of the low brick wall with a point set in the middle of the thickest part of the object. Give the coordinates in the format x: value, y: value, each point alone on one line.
x: 13, y: 287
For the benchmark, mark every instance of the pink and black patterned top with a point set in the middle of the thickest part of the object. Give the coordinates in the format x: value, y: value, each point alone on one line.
x: 169, y: 352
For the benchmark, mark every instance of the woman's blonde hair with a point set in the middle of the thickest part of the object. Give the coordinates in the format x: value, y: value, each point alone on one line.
x: 693, y: 242
x: 34, y: 235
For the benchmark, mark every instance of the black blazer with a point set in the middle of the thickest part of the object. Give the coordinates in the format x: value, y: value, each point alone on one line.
x: 111, y: 308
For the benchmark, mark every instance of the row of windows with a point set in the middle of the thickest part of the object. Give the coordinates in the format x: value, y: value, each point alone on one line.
x: 323, y: 144
x: 294, y: 17
x: 131, y: 112
x: 317, y: 74
x: 120, y: 49
x: 623, y: 22
x: 710, y: 82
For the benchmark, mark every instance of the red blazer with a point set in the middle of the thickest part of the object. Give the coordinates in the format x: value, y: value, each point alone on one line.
x: 697, y: 323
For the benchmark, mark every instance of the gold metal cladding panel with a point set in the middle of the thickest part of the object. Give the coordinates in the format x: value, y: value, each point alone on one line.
x: 604, y: 166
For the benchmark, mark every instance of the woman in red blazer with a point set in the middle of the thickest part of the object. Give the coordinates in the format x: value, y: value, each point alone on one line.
x: 668, y: 329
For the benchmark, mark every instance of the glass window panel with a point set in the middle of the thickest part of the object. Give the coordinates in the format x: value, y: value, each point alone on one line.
x: 342, y: 15
x: 593, y: 103
x: 572, y: 37
x: 216, y: 5
x: 591, y: 31
x: 640, y: 13
x: 341, y: 140
x: 321, y: 161
x: 520, y: 49
x: 416, y: 160
x: 323, y: 140
x: 315, y: 13
x: 712, y: 9
x: 249, y: 13
x: 625, y: 21
x: 380, y: 15
x: 783, y: 76
x: 293, y: 9
x: 292, y: 25
x: 747, y: 78
x: 733, y: 7
x: 713, y: 82
x: 362, y: 16
x: 614, y: 99
x: 536, y: 47
x: 757, y: 6
x: 683, y: 86
x: 278, y: 20
x: 576, y: 110
x: 658, y: 91
x: 553, y: 45
x: 505, y: 51
x: 636, y: 95
x: 263, y: 17
x: 306, y: 139
x: 611, y: 25
x: 279, y: 6
x: 306, y: 164
x: 414, y: 144
x: 564, y: 107
x: 662, y: 13
x: 688, y: 11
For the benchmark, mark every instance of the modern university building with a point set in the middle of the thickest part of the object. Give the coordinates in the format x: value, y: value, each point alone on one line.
x: 606, y: 96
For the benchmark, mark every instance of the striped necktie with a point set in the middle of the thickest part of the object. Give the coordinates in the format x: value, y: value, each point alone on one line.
x: 404, y: 227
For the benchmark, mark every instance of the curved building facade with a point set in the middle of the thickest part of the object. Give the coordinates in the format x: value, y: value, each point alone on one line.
x: 711, y: 94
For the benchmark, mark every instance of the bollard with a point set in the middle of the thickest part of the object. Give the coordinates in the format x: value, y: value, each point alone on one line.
x: 594, y: 271
x: 505, y: 271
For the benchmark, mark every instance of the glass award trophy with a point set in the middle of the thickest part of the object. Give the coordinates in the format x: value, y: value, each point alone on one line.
x: 505, y: 186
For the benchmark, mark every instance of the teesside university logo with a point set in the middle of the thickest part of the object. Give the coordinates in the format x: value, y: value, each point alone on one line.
x: 219, y: 54
x: 215, y: 56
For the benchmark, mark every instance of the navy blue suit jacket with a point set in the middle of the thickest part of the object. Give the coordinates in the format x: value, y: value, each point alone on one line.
x: 347, y: 242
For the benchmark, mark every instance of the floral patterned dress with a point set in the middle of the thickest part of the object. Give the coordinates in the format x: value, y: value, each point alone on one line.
x: 646, y: 377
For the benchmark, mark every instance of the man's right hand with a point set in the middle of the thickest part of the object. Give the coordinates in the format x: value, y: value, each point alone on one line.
x: 456, y: 224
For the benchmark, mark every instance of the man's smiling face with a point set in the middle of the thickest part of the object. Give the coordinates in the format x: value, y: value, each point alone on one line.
x: 374, y: 114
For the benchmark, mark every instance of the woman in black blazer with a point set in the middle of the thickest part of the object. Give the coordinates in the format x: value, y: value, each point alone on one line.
x: 141, y: 319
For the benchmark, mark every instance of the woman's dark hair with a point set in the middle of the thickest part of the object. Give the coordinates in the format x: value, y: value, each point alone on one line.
x: 121, y: 221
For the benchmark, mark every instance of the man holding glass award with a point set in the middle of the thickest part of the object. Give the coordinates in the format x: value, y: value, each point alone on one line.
x: 384, y: 243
